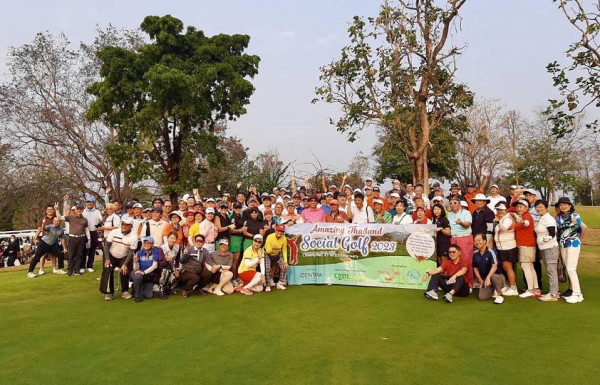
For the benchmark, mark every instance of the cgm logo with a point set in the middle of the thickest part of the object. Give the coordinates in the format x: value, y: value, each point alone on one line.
x: 341, y: 276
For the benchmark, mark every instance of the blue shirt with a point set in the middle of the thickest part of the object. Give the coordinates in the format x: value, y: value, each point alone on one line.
x: 145, y: 260
x: 484, y: 262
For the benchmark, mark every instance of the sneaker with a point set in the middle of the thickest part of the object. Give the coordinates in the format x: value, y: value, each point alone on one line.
x: 281, y: 286
x: 495, y: 294
x: 90, y: 270
x: 527, y: 294
x: 155, y: 288
x: 108, y: 297
x: 41, y: 272
x: 238, y: 288
x: 162, y: 295
x: 69, y: 273
x: 60, y: 272
x: 246, y: 291
x: 499, y: 300
x: 431, y: 294
x: 567, y: 293
x: 138, y: 299
x: 510, y: 293
x: 218, y: 292
x: 448, y: 298
x: 549, y: 297
x: 268, y: 289
x: 575, y: 298
x: 31, y: 275
x: 126, y: 295
x: 504, y: 289
x: 185, y: 294
x: 77, y: 272
x: 81, y: 271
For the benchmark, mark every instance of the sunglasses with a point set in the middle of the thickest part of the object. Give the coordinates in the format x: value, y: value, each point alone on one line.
x: 257, y: 241
x: 199, y: 241
x: 453, y: 252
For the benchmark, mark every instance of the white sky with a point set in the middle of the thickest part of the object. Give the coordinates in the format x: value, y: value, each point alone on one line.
x: 509, y: 43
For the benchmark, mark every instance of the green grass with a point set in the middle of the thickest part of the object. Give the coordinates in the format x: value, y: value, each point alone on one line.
x: 590, y: 215
x: 58, y: 330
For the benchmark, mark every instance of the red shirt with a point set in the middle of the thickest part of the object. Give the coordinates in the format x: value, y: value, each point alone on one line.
x: 525, y: 235
x: 428, y: 214
x: 450, y: 268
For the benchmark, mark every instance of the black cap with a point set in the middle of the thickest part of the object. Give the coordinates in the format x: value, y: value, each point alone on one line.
x: 158, y: 199
x: 129, y: 205
x: 238, y: 205
x: 454, y: 185
x: 376, y: 188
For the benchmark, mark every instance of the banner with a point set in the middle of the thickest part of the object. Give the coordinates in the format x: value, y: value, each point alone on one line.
x: 378, y: 255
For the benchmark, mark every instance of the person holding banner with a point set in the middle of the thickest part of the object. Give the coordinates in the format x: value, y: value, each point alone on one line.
x: 449, y: 277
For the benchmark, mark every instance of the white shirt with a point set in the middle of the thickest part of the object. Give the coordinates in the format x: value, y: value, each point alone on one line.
x: 364, y: 215
x: 121, y: 243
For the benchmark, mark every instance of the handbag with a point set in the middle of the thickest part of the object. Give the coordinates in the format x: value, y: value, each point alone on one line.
x: 562, y: 270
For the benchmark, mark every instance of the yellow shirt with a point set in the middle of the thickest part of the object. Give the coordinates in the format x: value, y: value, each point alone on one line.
x: 249, y: 255
x: 274, y: 246
x: 194, y: 230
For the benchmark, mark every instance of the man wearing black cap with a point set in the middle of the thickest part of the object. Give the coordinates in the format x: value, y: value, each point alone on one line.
x: 94, y: 218
x: 76, y: 243
x: 455, y: 192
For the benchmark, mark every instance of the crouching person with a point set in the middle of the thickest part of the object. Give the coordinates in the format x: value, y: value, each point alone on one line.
x: 193, y: 265
x: 254, y: 255
x: 220, y: 266
x: 487, y: 271
x: 144, y: 264
x: 119, y: 247
x: 449, y: 277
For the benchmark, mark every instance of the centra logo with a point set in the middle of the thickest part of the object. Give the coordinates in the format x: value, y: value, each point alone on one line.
x: 313, y: 274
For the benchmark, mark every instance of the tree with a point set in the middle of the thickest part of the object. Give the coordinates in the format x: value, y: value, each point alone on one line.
x: 42, y: 106
x: 164, y: 99
x: 397, y: 74
x: 483, y: 145
x: 266, y: 171
x: 584, y: 64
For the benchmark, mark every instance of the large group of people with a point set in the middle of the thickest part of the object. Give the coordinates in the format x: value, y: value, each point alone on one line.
x: 237, y: 243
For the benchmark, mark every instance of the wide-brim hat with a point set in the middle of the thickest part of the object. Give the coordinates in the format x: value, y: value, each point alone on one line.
x: 480, y: 197
x: 564, y: 200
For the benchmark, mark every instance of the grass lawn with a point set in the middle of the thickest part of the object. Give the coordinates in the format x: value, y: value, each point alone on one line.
x: 590, y: 215
x: 58, y: 330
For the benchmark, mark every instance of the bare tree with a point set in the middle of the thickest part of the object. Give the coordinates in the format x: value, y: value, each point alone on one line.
x: 42, y: 107
x: 483, y: 146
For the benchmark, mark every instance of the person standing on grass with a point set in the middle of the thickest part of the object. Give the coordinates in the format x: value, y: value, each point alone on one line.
x: 525, y: 237
x: 76, y: 243
x: 570, y: 231
x: 252, y: 280
x: 54, y: 237
x: 546, y: 232
x: 119, y: 247
x: 460, y: 220
x: 506, y: 245
x: 487, y: 270
x: 276, y: 250
x: 42, y: 224
x: 442, y: 233
x: 94, y: 218
x: 449, y: 277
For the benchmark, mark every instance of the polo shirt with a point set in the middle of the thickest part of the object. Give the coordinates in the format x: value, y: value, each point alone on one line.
x: 146, y: 260
x: 94, y: 218
x: 364, y: 215
x: 484, y: 262
x: 223, y: 260
x: 450, y: 268
x: 274, y: 246
x: 458, y: 230
x: 121, y: 243
x: 524, y: 232
x: 249, y: 254
x: 43, y: 223
x: 77, y: 225
x: 482, y: 221
x: 53, y: 234
x: 311, y: 216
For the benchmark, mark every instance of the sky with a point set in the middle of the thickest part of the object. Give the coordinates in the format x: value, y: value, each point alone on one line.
x: 508, y: 44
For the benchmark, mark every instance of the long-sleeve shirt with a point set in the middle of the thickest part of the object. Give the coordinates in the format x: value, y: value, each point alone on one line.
x: 251, y: 259
x: 274, y: 246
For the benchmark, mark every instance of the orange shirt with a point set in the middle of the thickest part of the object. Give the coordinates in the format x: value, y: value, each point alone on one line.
x: 169, y: 230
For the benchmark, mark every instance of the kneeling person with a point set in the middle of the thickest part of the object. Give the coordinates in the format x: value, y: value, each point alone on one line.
x: 144, y: 264
x: 449, y: 276
x: 487, y: 271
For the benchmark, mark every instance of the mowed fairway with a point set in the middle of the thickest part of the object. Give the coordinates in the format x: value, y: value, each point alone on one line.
x: 58, y: 330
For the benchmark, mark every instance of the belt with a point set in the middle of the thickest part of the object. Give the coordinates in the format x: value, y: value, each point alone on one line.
x: 461, y: 236
x: 76, y: 236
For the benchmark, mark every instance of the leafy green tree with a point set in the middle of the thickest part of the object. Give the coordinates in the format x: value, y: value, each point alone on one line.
x: 578, y: 81
x: 397, y: 74
x: 266, y: 171
x: 165, y: 98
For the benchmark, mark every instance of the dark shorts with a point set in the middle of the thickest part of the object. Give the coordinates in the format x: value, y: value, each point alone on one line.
x: 511, y: 255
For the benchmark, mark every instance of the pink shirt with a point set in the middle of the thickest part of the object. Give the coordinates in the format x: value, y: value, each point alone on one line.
x: 209, y: 230
x: 310, y: 216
